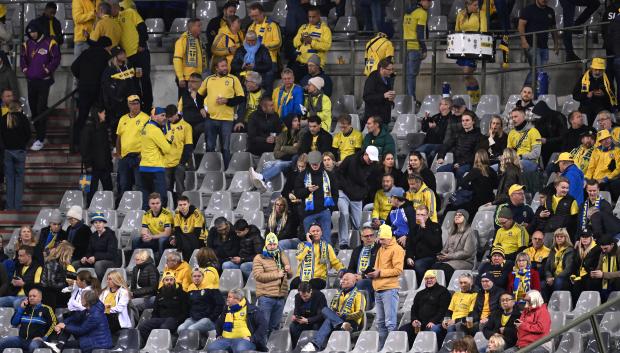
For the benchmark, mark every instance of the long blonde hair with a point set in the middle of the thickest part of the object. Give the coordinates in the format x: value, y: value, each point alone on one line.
x: 63, y: 253
x: 509, y: 156
x: 564, y: 232
x: 12, y: 116
x: 501, y: 123
x: 481, y: 161
x: 116, y: 278
x: 273, y: 217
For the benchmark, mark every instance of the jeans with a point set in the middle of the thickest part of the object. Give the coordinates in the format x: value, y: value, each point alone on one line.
x: 568, y: 10
x: 414, y: 59
x: 377, y: 11
x: 203, y: 325
x: 528, y: 165
x: 349, y: 210
x: 289, y: 244
x: 272, y: 169
x: 332, y: 320
x: 38, y: 93
x: 324, y: 218
x: 11, y: 301
x: 153, y: 182
x: 17, y: 342
x: 430, y: 150
x: 366, y: 284
x: 158, y: 245
x: 234, y: 345
x: 14, y: 170
x: 223, y: 129
x: 386, y: 304
x: 245, y: 267
x: 129, y: 173
x: 542, y: 57
x: 421, y: 265
x: 458, y: 173
x: 272, y: 312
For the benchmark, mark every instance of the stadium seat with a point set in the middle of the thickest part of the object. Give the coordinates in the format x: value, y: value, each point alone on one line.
x: 560, y: 301
x: 132, y: 224
x: 241, y: 9
x: 403, y: 104
x: 489, y: 104
x: 87, y: 269
x: 238, y: 142
x: 130, y: 201
x: 588, y: 301
x: 110, y: 216
x: 446, y: 182
x: 449, y: 341
x: 279, y: 12
x: 485, y: 121
x: 405, y: 124
x: 128, y: 338
x: 457, y: 6
x: 483, y: 223
x: 396, y: 341
x: 102, y: 200
x: 367, y: 342
x: 5, y: 319
x: 212, y: 182
x: 12, y: 350
x: 435, y: 9
x: 481, y: 341
x: 206, y: 10
x: 211, y: 162
x: 159, y: 341
x: 592, y: 346
x: 240, y: 182
x: 201, y: 145
x: 220, y: 200
x: 430, y: 104
x: 155, y: 28
x: 132, y: 261
x: 71, y: 198
x: 606, y: 195
x: 408, y: 303
x: 275, y: 185
x: 42, y: 218
x: 345, y: 256
x: 347, y: 26
x: 550, y: 99
x: 441, y: 277
x: 188, y: 340
x: 211, y: 216
x: 162, y: 260
x: 265, y: 157
x: 408, y: 281
x: 465, y: 97
x: 256, y: 218
x: 329, y: 294
x: 510, y: 103
x: 610, y: 323
x: 67, y: 27
x: 339, y: 341
x: 570, y: 342
x: 239, y: 161
x: 425, y: 341
x: 42, y: 350
x: 614, y: 295
x: 569, y: 106
x: 349, y: 104
x: 230, y: 279
x: 289, y: 305
x: 248, y: 202
x: 454, y: 281
x: 279, y: 340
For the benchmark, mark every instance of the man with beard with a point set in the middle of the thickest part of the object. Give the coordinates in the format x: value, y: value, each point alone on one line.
x: 525, y: 139
x: 188, y: 225
x: 607, y: 271
x: 594, y: 91
x: 263, y: 127
x: 170, y: 309
x: 527, y: 98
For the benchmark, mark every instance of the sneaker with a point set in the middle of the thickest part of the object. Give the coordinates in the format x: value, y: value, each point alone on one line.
x: 309, y: 347
x: 37, y: 145
x: 56, y: 347
x: 257, y: 180
x: 347, y: 327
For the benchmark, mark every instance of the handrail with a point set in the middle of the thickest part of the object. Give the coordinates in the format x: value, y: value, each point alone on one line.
x: 591, y: 316
x: 54, y: 106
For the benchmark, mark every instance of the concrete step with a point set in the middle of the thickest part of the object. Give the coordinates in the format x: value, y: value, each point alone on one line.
x: 54, y: 158
x: 53, y: 196
x: 59, y: 176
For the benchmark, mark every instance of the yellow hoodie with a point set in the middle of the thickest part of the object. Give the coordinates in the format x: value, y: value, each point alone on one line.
x: 182, y: 274
x: 390, y: 261
x: 83, y: 14
x: 154, y: 148
x: 598, y: 168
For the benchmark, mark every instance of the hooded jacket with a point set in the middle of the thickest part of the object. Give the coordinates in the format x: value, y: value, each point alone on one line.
x: 260, y: 126
x: 250, y: 245
x: 460, y: 248
x: 89, y: 66
x: 301, y: 191
x: 91, y: 330
x: 402, y: 220
x: 44, y: 23
x: 552, y: 127
x: 535, y: 324
x: 39, y: 58
x: 383, y: 141
x: 171, y: 303
x: 354, y: 172
x: 144, y: 279
x: 390, y: 262
x: 224, y: 249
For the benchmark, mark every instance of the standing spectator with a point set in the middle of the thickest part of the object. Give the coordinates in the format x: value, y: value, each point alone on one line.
x: 307, y: 312
x: 463, y: 146
x: 189, y: 223
x: 179, y: 159
x: 156, y: 226
x: 423, y: 243
x: 471, y: 19
x: 40, y: 57
x: 271, y: 269
x: 129, y: 145
x: 523, y: 278
x: 317, y: 139
x: 435, y: 128
x: 189, y: 56
x: 509, y: 171
x: 263, y: 128
x: 289, y: 97
x: 314, y: 37
x: 155, y: 146
x: 607, y: 271
x: 84, y: 15
x: 191, y: 106
x: 573, y: 174
x: 8, y: 79
x: 534, y: 323
x: 414, y: 32
x: 348, y: 140
x: 552, y: 127
x: 49, y: 24
x: 318, y: 104
x: 502, y: 321
x: 378, y: 135
x: 250, y: 244
x: 525, y: 139
x: 102, y: 248
x: 379, y: 92
x: 362, y: 261
x: 378, y: 48
x: 96, y: 151
x: 538, y: 17
x: 115, y: 298
x: 459, y: 251
x: 268, y: 32
x: 27, y: 275
x: 594, y: 90
x: 216, y: 24
x: 106, y: 26
x: 252, y: 55
x: 559, y: 267
x: 144, y: 280
x: 229, y: 39
x: 388, y: 268
x: 6, y: 32
x: 205, y: 305
x: 569, y: 8
x: 78, y: 233
x: 56, y: 274
x: 222, y: 92
x: 223, y: 240
x: 315, y: 70
x: 14, y: 136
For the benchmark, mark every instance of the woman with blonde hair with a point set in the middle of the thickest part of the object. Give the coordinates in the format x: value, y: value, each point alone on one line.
x: 509, y: 174
x: 57, y: 272
x: 144, y: 280
x: 281, y: 224
x: 496, y: 344
x: 24, y: 237
x: 115, y: 298
x: 496, y: 140
x: 559, y: 264
x: 15, y: 133
x: 523, y: 278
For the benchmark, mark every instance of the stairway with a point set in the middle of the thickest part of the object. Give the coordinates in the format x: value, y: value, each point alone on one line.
x: 49, y: 172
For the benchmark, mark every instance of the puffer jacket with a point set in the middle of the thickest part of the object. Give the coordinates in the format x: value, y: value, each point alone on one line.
x: 93, y: 332
x: 462, y: 145
x: 268, y: 281
x: 285, y: 147
x: 144, y: 279
x: 54, y: 275
x: 250, y: 245
x: 204, y: 302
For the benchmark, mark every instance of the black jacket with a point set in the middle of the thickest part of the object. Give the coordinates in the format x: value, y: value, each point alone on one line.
x: 437, y: 134
x: 427, y: 176
x: 552, y: 127
x: 115, y: 90
x: 54, y: 275
x: 355, y: 257
x: 481, y: 185
x: 511, y: 176
x: 144, y: 280
x: 103, y: 247
x: 604, y: 221
x: 572, y: 137
x: 327, y: 87
x: 171, y: 304
x: 289, y: 231
x: 191, y: 108
x: 611, y: 32
x: 256, y: 324
x: 250, y: 245
x: 431, y: 305
x: 354, y: 173
x: 4, y: 282
x: 43, y: 23
x: 260, y: 126
x: 213, y: 27
x: 591, y: 106
x: 262, y: 61
x: 40, y: 248
x: 79, y: 237
x: 376, y: 104
x: 223, y: 249
x: 499, y: 272
x: 589, y: 263
x: 302, y: 192
x: 495, y: 323
x: 462, y: 145
x: 323, y: 144
x: 424, y: 242
x: 494, y: 295
x: 205, y: 303
x: 95, y: 145
x: 495, y: 151
x: 15, y: 138
x: 312, y: 309
x: 28, y: 277
x: 89, y: 66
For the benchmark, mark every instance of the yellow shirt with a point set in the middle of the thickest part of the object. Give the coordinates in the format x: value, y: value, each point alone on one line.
x: 411, y: 21
x: 472, y: 22
x: 512, y: 239
x: 182, y: 69
x: 597, y: 169
x: 320, y: 268
x: 211, y: 278
x: 320, y: 45
x: 574, y: 208
x: 128, y: 131
x: 240, y: 326
x: 382, y: 206
x: 486, y: 310
x: 425, y: 196
x: 154, y: 147
x: 505, y: 319
x: 251, y: 103
x: 37, y: 278
x: 347, y: 144
x: 269, y: 34
x: 190, y: 223
x: 532, y: 139
x: 377, y: 48
x: 462, y: 304
x: 216, y: 86
x: 107, y: 27
x: 83, y: 14
x: 129, y: 19
x: 537, y: 255
x: 357, y: 309
x: 110, y: 300
x: 223, y: 44
x: 157, y: 224
x: 182, y: 132
x: 326, y: 110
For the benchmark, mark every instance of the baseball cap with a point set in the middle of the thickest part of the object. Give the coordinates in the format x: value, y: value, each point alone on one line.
x: 373, y: 153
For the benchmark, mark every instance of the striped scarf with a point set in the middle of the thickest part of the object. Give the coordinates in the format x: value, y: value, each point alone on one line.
x: 521, y: 284
x: 608, y: 265
x: 364, y: 260
x: 586, y: 207
x: 328, y: 201
x: 347, y: 306
x: 307, y: 266
x: 191, y: 51
x: 240, y: 308
x: 585, y: 87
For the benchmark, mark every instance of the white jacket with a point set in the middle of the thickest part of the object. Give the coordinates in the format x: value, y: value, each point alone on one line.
x: 122, y: 301
x: 75, y: 302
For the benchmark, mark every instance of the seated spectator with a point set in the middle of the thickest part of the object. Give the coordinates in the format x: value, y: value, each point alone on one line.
x: 313, y: 255
x: 509, y: 173
x: 115, y: 298
x: 240, y: 327
x: 229, y: 39
x: 552, y: 127
x: 52, y: 235
x: 534, y: 323
x: 607, y: 271
x: 318, y: 189
x: 315, y: 70
x: 429, y: 307
x: 495, y: 141
x: 329, y: 161
x: 498, y: 267
x: 576, y: 129
x: 205, y: 305
x: 511, y: 237
x: 574, y: 175
x: 387, y: 167
x: 85, y: 281
x: 523, y: 278
x: 207, y: 263
x: 418, y: 165
x: 25, y: 237
x: 91, y: 331
x: 263, y: 127
x: 144, y: 280
x: 462, y: 303
x: 582, y: 153
x: 170, y: 308
x: 57, y: 275
x: 316, y: 103
x: 271, y: 269
x: 560, y: 265
x: 477, y: 187
x: 496, y: 344
x: 252, y: 55
x: 223, y: 240
x: 594, y: 92
x: 421, y: 195
x: 459, y: 251
x: 538, y: 252
x: 463, y: 147
x: 250, y: 244
x: 459, y: 107
x: 363, y: 260
x: 27, y: 274
x: 317, y: 138
x: 253, y: 93
x: 607, y: 122
x: 307, y: 313
x: 282, y: 225
x: 525, y: 139
x: 560, y: 210
x: 487, y: 301
x: 526, y: 100
x: 424, y: 243
x: 521, y: 212
x: 382, y: 202
x: 78, y: 233
x: 605, y: 162
x: 587, y: 253
x: 157, y: 225
x: 345, y: 312
x: 348, y: 140
x: 597, y: 213
x: 378, y: 135
x: 179, y: 268
x: 289, y: 97
x: 102, y: 248
x: 35, y: 322
x: 189, y: 223
x: 502, y: 321
x: 435, y: 128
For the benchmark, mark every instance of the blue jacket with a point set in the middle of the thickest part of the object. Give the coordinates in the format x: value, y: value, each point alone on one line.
x: 576, y: 181
x: 92, y: 329
x: 294, y: 104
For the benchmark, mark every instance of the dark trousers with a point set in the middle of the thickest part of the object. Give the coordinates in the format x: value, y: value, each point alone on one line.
x: 197, y: 130
x: 143, y: 60
x: 166, y: 323
x: 153, y: 182
x: 447, y: 269
x: 568, y: 9
x: 175, y: 177
x: 38, y: 93
x: 87, y: 96
x: 187, y: 243
x: 99, y: 175
x: 296, y: 330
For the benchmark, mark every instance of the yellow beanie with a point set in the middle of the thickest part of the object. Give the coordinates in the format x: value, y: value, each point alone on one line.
x: 385, y: 232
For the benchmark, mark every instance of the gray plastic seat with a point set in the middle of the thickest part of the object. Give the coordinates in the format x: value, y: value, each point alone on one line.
x: 558, y: 319
x: 279, y: 340
x: 212, y: 215
x: 408, y: 303
x: 289, y: 304
x: 339, y: 341
x: 211, y: 162
x: 511, y: 103
x: 345, y: 256
x: 42, y: 218
x: 154, y: 27
x: 346, y: 25
x: 71, y: 198
x: 396, y: 341
x: 449, y: 158
x: 408, y: 281
x: 188, y: 340
x: 569, y: 106
x: 592, y: 346
x: 178, y: 25
x: 248, y: 202
x: 240, y: 182
x: 448, y: 341
x: 239, y: 161
x: 12, y: 350
x: 256, y: 218
x: 279, y: 12
x: 265, y: 157
x: 550, y: 99
x: 446, y: 182
x: 67, y: 27
x: 132, y: 223
x: 329, y: 293
x: 368, y: 341
x: 130, y: 201
x: 483, y: 223
x: 162, y: 260
x: 241, y: 9
x: 560, y: 301
x: 430, y: 104
x: 404, y: 104
x: 132, y: 260
x: 104, y: 280
x: 238, y: 142
x: 42, y: 350
x: 425, y: 341
x: 87, y: 269
x: 454, y: 281
x: 570, y: 342
x: 588, y: 300
x: 614, y: 294
x: 606, y: 195
x: 481, y: 341
x: 435, y: 9
x: 276, y: 184
x: 304, y: 338
x: 457, y: 6
x: 221, y: 200
x: 102, y: 200
x: 465, y: 97
x: 206, y: 10
x: 159, y: 341
x: 488, y: 104
x: 201, y: 145
x: 230, y: 279
x: 610, y: 323
x: 405, y: 124
x: 212, y: 182
x: 349, y: 104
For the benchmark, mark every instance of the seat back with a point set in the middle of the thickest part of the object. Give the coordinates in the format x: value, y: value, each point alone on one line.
x: 368, y: 341
x: 483, y: 224
x: 188, y: 340
x: 128, y: 338
x: 425, y: 341
x: 610, y: 322
x: 558, y: 319
x: 238, y: 142
x: 43, y: 217
x: 195, y: 199
x: 249, y: 202
x: 230, y: 279
x: 560, y: 300
x: 265, y: 157
x: 162, y: 260
x: 220, y: 200
x: 448, y: 341
x: 488, y: 104
x: 132, y: 221
x: 570, y: 342
x: 154, y: 27
x: 256, y: 218
x: 454, y: 281
x: 408, y: 281
x: 405, y: 124
x: 404, y: 104
x: 446, y: 182
x: 550, y: 99
x: 396, y: 341
x: 102, y: 200
x: 213, y: 181
x: 178, y: 25
x: 211, y: 162
x: 71, y: 198
x: 206, y: 10
x: 345, y: 256
x: 159, y: 339
x: 130, y: 201
x: 279, y: 340
x: 430, y: 104
x: 339, y: 341
x: 239, y: 161
x: 240, y: 182
x: 104, y: 280
x: 588, y: 300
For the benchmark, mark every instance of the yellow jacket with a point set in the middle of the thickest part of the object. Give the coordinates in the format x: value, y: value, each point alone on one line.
x: 182, y: 274
x: 320, y: 268
x: 154, y: 148
x: 320, y: 45
x: 357, y: 309
x: 179, y: 60
x: 390, y: 261
x: 222, y: 44
x: 425, y: 196
x: 182, y: 133
x: 382, y: 205
x: 269, y: 34
x: 83, y: 14
x: 107, y: 27
x: 326, y: 109
x: 378, y: 48
x: 599, y: 163
x: 474, y: 22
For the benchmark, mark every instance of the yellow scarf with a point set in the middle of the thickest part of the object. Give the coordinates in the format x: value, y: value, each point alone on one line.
x: 559, y: 254
x: 236, y: 313
x: 609, y: 265
x: 582, y: 255
x: 585, y: 87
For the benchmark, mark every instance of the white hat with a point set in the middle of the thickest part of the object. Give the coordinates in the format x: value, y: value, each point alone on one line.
x: 317, y: 82
x: 373, y: 153
x: 75, y: 212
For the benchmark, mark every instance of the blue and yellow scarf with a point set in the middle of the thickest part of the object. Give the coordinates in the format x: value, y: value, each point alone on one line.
x: 307, y: 265
x: 328, y: 201
x: 521, y: 283
x: 240, y: 308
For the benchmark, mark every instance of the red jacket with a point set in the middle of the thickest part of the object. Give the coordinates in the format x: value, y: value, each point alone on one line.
x: 535, y: 324
x: 534, y: 281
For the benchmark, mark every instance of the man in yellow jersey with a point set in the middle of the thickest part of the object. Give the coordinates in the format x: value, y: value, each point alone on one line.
x: 378, y: 48
x: 382, y: 203
x: 512, y: 236
x: 525, y: 139
x: 188, y: 225
x: 156, y: 226
x: 129, y: 146
x: 222, y: 92
x: 462, y: 303
x: 348, y: 140
x: 106, y: 26
x: 253, y: 94
x: 315, y: 37
x: 155, y: 146
x: 83, y: 14
x: 188, y: 57
x: 180, y: 155
x: 27, y: 274
x: 538, y: 252
x: 414, y: 29
x: 269, y: 35
x: 420, y: 194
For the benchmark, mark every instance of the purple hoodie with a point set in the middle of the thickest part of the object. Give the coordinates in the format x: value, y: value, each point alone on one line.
x: 39, y: 59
